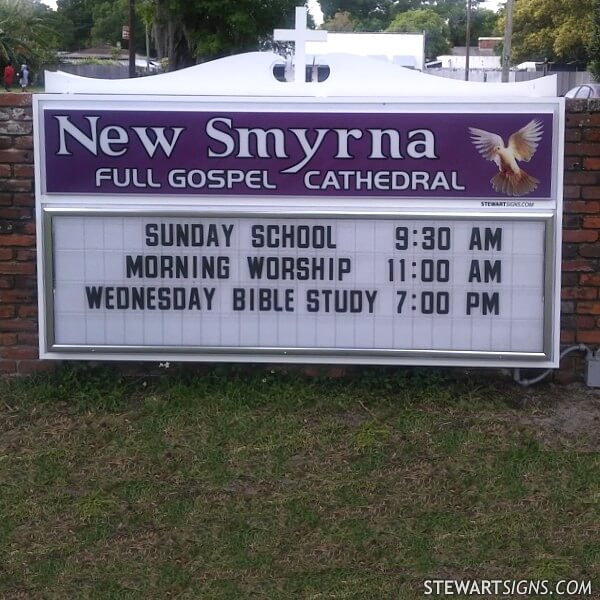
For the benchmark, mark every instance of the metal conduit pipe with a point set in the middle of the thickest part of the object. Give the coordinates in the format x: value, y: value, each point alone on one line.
x: 527, y: 382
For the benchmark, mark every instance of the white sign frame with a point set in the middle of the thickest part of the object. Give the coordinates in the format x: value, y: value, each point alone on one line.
x: 547, y: 209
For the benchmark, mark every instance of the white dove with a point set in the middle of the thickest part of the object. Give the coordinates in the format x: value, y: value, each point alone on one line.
x: 511, y: 180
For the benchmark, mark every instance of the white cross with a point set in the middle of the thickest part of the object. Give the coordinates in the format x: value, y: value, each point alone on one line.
x: 300, y: 35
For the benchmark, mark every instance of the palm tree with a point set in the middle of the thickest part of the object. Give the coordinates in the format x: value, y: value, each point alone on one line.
x: 25, y: 33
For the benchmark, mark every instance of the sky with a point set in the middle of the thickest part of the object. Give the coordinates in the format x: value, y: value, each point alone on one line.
x: 492, y: 4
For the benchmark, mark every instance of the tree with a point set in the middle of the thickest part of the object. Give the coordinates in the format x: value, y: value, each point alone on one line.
x: 26, y: 32
x: 484, y: 23
x: 557, y: 30
x: 594, y: 46
x: 108, y: 17
x: 368, y: 15
x: 75, y: 22
x: 377, y: 15
x: 341, y: 21
x: 85, y: 23
x: 359, y: 9
x: 427, y: 20
x: 190, y: 31
x: 450, y: 8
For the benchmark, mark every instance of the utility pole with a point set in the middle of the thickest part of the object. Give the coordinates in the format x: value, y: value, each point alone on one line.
x: 468, y: 41
x: 507, y: 50
x: 131, y: 38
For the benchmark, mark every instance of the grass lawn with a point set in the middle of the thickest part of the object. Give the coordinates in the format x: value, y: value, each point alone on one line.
x: 238, y: 484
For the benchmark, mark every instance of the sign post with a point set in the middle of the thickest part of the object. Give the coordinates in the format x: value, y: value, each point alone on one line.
x: 302, y: 228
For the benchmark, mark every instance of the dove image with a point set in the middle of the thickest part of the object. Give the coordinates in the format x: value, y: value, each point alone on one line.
x: 511, y: 179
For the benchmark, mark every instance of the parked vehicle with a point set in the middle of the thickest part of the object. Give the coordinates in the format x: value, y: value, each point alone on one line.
x: 586, y: 90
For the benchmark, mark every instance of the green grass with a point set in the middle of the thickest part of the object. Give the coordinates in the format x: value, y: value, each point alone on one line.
x: 236, y: 483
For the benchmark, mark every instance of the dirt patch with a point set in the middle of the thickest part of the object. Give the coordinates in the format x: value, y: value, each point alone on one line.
x: 567, y: 414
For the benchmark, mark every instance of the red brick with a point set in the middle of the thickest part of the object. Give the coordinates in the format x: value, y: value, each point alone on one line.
x: 579, y: 235
x: 15, y: 155
x: 25, y: 214
x: 7, y: 311
x: 16, y: 185
x: 577, y: 120
x: 590, y: 250
x: 8, y: 339
x: 588, y: 279
x: 568, y: 279
x: 589, y: 337
x: 581, y: 206
x: 569, y: 293
x: 12, y: 268
x: 570, y: 251
x: 6, y: 253
x: 24, y: 142
x: 566, y: 307
x: 19, y: 352
x: 567, y: 337
x: 28, y: 339
x: 591, y: 222
x: 590, y: 193
x: 23, y: 171
x: 25, y: 282
x: 572, y: 192
x: 31, y: 311
x: 6, y: 199
x: 588, y: 308
x: 30, y: 255
x: 17, y: 240
x: 18, y: 325
x: 21, y: 99
x: 5, y: 171
x: 574, y: 135
x: 15, y: 296
x: 571, y: 221
x: 581, y: 322
x: 8, y: 366
x: 23, y: 200
x: 591, y: 164
x: 578, y: 265
x: 590, y: 134
x: 580, y: 178
x: 573, y: 163
x: 572, y: 149
x: 10, y: 213
x: 6, y: 141
x: 7, y: 283
x: 29, y: 228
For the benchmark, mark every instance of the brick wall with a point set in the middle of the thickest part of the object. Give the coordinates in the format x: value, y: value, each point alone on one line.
x: 18, y: 308
x: 581, y: 228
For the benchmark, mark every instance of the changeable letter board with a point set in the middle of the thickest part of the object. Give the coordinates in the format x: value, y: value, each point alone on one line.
x: 383, y: 233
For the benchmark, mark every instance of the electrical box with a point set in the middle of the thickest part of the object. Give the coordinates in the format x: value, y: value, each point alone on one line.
x: 592, y: 371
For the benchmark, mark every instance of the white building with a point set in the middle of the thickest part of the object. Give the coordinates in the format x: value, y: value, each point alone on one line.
x: 484, y: 56
x: 403, y: 49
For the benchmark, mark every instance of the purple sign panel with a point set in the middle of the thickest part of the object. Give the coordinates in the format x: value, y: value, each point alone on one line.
x: 425, y: 155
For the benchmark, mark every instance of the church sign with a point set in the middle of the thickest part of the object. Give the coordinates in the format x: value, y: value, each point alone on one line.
x: 390, y: 154
x: 301, y: 229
